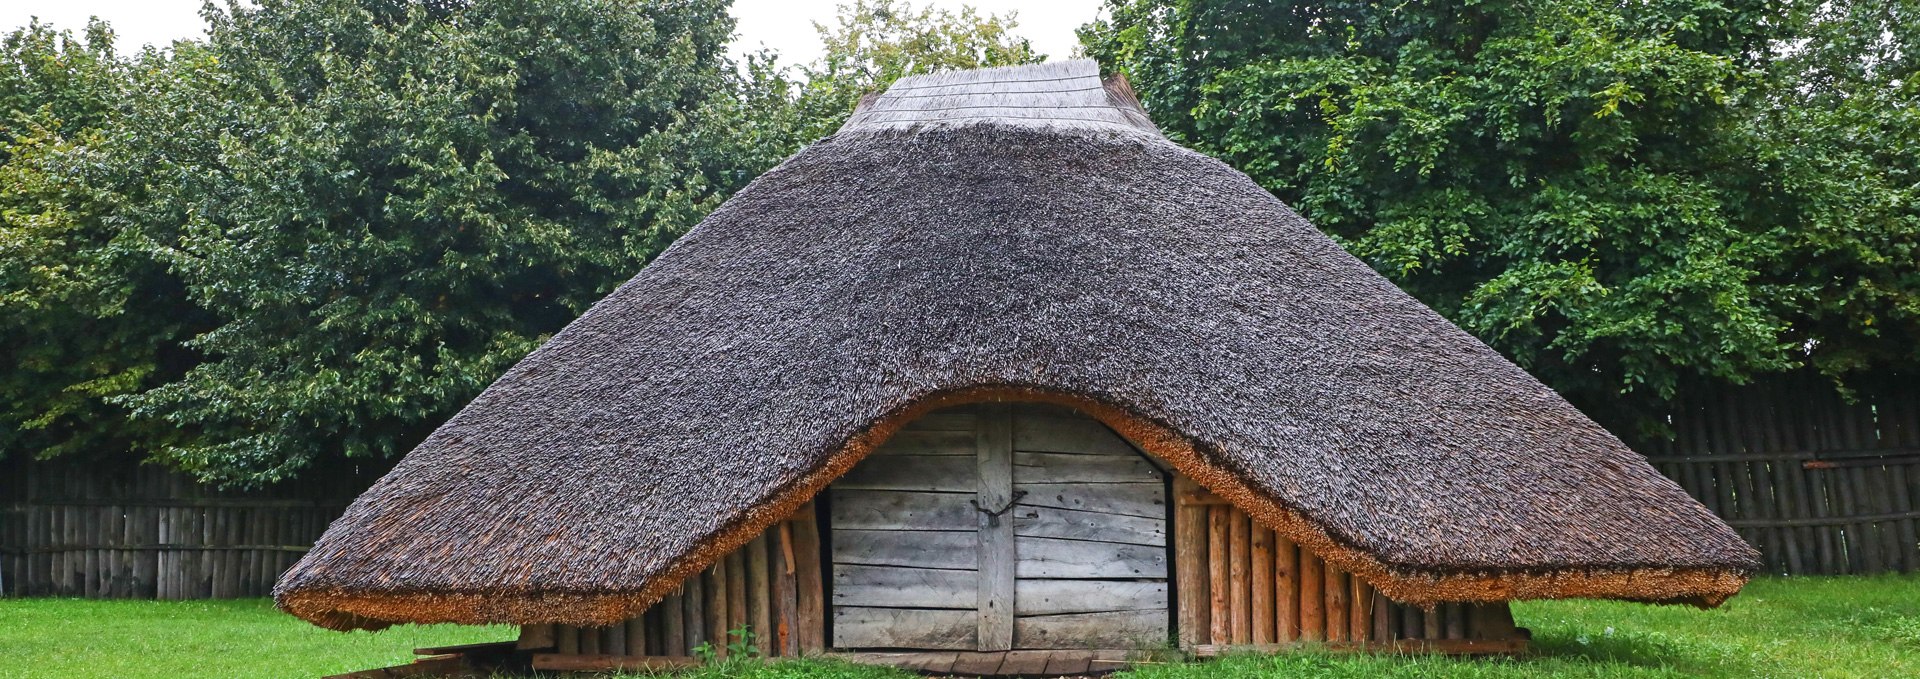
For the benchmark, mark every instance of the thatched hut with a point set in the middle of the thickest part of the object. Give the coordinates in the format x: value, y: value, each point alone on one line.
x: 998, y: 367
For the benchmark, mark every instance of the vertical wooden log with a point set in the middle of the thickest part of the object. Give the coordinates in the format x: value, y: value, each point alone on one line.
x: 694, y: 605
x: 1239, y: 573
x: 1262, y: 577
x: 1190, y: 568
x: 590, y: 640
x: 568, y: 641
x: 1456, y: 619
x: 994, y: 545
x: 1412, y: 622
x: 810, y: 588
x: 760, y: 595
x: 786, y: 594
x: 1286, y: 590
x: 614, y: 639
x: 1430, y: 625
x: 535, y: 638
x: 1337, y: 605
x: 1383, y: 618
x: 1491, y: 621
x: 737, y: 596
x: 1360, y: 615
x: 1219, y: 578
x: 672, y: 626
x: 717, y: 605
x: 637, y: 635
x: 1313, y: 595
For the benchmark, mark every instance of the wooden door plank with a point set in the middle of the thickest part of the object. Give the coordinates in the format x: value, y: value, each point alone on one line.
x: 951, y: 419
x: 1051, y: 558
x: 858, y: 627
x: 953, y: 550
x: 1132, y: 499
x: 897, y: 587
x: 957, y: 443
x: 945, y: 473
x: 1050, y: 522
x: 1116, y: 629
x: 996, y: 541
x: 1054, y: 597
x: 1070, y: 468
x: 1079, y: 436
x: 901, y: 510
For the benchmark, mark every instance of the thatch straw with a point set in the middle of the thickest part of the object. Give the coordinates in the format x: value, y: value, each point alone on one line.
x: 917, y: 260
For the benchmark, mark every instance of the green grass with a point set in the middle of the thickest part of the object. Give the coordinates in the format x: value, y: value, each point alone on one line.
x: 1803, y: 627
x: 246, y: 638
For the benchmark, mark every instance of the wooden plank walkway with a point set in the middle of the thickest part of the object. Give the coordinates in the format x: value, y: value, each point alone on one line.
x: 997, y: 663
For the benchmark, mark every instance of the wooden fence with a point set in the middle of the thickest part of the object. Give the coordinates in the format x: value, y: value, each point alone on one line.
x: 1819, y: 485
x: 71, y: 528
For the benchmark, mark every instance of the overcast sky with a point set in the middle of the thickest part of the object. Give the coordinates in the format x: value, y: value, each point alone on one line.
x: 784, y: 25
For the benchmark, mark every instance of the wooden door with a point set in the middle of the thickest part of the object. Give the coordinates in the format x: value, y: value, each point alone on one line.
x: 1000, y: 526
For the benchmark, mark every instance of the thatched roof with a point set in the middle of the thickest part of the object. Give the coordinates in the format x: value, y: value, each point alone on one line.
x: 1023, y: 234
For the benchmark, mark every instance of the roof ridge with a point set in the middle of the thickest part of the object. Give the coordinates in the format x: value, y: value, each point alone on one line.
x: 1070, y: 96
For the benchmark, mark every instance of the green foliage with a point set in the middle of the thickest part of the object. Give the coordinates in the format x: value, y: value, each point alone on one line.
x: 876, y: 42
x: 316, y: 234
x: 409, y: 197
x: 1590, y: 188
x: 86, y: 314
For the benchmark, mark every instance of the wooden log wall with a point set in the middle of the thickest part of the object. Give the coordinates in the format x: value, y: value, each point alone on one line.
x: 766, y: 597
x: 1817, y: 484
x: 1241, y: 585
x: 101, y: 530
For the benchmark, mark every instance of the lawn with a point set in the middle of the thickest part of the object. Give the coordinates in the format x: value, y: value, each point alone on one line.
x: 1803, y: 627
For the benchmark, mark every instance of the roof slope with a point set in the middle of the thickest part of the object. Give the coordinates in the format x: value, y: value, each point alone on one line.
x: 918, y: 259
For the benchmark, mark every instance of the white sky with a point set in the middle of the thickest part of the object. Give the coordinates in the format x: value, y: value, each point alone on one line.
x: 784, y: 25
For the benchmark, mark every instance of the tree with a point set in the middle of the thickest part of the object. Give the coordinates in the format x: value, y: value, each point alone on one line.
x: 410, y: 196
x: 86, y: 313
x: 1585, y: 186
x: 876, y: 42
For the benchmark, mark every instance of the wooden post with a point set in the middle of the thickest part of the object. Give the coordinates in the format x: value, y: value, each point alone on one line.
x: 786, y: 595
x: 567, y: 640
x: 1286, y: 590
x: 1262, y: 575
x: 1313, y: 624
x: 1336, y: 584
x: 637, y: 635
x: 535, y: 638
x: 1238, y: 549
x: 1456, y: 620
x: 1491, y: 621
x: 993, y: 454
x: 1360, y: 619
x: 715, y: 584
x: 1218, y: 571
x: 760, y: 595
x: 1383, y: 617
x: 590, y: 640
x: 1430, y: 623
x: 673, y: 635
x: 1190, y: 566
x: 736, y: 594
x: 810, y: 590
x: 695, y: 605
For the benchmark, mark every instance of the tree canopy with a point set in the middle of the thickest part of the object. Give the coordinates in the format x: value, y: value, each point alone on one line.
x: 317, y: 233
x: 1621, y: 198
